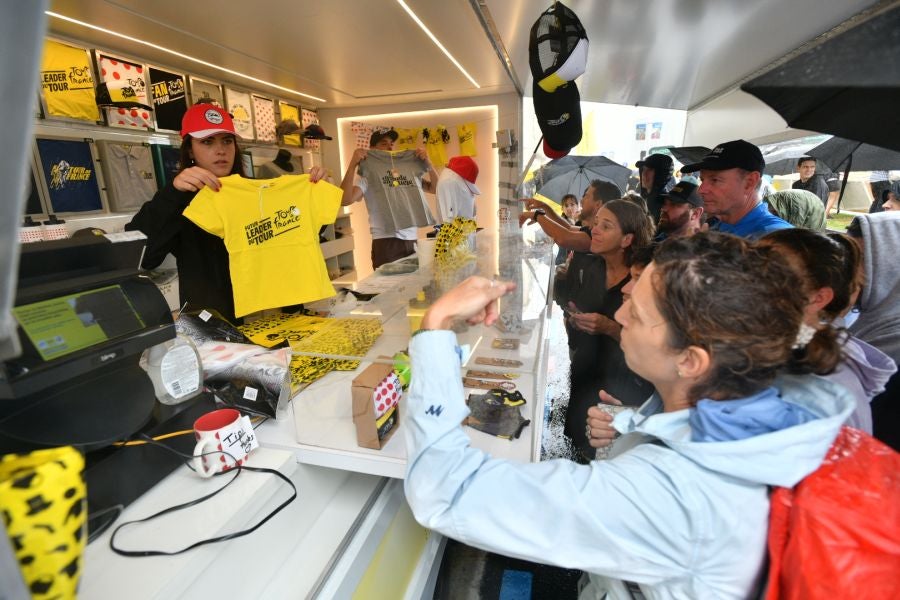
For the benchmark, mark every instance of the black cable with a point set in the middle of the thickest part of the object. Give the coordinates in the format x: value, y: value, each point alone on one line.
x: 116, y: 510
x: 237, y: 471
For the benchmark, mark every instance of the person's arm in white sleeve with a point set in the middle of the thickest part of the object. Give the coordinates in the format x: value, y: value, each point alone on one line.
x: 352, y: 192
x: 554, y: 512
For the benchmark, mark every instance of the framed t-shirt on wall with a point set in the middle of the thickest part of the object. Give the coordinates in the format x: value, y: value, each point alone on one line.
x: 69, y: 171
x: 264, y: 118
x: 126, y: 82
x: 67, y: 83
x: 168, y: 93
x: 239, y: 106
x: 203, y: 90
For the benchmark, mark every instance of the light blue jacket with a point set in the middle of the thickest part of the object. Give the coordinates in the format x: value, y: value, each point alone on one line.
x: 683, y: 519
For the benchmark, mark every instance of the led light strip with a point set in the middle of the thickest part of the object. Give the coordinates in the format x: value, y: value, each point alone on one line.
x: 184, y: 56
x: 437, y: 43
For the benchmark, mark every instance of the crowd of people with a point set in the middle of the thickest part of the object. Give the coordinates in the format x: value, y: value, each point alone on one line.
x: 740, y: 335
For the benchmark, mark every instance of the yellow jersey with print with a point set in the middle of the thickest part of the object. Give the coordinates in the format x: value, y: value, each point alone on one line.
x: 271, y: 231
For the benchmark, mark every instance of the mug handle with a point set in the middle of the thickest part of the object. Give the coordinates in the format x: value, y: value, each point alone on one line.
x: 198, y: 459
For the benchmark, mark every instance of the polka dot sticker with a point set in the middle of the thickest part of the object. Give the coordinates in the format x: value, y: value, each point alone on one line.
x: 386, y: 394
x: 119, y: 73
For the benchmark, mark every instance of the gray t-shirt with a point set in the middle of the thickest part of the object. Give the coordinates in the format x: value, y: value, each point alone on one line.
x: 392, y: 185
x: 128, y: 169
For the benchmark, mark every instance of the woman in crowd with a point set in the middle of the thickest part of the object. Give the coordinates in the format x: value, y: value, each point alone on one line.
x: 597, y: 361
x: 570, y: 212
x: 571, y: 209
x: 709, y: 323
x: 209, y: 150
x: 830, y: 274
x: 599, y: 429
x: 891, y: 202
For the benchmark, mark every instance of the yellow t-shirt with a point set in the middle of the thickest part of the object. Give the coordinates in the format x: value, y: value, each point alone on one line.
x: 271, y: 231
x: 67, y: 82
x: 407, y: 139
x: 466, y: 133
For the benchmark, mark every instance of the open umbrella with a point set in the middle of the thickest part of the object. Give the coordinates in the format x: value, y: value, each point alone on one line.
x: 848, y: 155
x: 836, y: 151
x: 848, y: 85
x: 781, y: 157
x: 573, y: 174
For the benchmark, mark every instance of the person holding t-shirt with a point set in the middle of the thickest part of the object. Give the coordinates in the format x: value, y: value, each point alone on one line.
x: 209, y: 151
x: 388, y: 244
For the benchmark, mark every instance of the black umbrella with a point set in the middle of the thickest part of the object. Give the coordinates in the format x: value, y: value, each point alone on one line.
x: 866, y: 157
x: 848, y: 85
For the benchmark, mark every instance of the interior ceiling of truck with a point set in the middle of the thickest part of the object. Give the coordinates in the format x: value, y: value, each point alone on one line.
x: 662, y: 53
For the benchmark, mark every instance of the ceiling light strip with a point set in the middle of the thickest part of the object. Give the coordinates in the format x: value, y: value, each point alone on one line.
x: 437, y: 42
x: 184, y: 56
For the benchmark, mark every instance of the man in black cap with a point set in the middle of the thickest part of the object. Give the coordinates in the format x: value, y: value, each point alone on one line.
x: 731, y: 174
x: 388, y: 244
x: 681, y: 214
x: 656, y: 179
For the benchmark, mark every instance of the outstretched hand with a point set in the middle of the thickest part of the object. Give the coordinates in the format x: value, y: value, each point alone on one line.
x: 475, y: 300
x: 533, y: 203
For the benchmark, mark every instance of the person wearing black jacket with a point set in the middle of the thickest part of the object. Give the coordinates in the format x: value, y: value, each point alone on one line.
x: 209, y: 150
x: 656, y: 179
x: 810, y: 180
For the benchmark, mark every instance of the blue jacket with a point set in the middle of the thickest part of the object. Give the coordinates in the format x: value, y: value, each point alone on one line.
x: 755, y: 224
x: 683, y: 519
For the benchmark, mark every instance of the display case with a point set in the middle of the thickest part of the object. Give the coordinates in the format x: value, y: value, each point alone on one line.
x: 318, y: 425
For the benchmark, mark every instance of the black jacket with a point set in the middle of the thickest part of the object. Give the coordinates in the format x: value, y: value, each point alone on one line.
x: 204, y: 280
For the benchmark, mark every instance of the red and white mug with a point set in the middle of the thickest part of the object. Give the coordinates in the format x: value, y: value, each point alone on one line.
x: 224, y: 439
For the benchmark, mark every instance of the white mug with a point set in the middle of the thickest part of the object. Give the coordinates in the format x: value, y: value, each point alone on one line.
x: 224, y: 439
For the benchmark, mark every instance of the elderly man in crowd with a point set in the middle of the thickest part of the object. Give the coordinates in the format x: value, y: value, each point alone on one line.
x: 731, y: 174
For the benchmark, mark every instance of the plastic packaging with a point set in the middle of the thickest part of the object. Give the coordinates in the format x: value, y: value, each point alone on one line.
x: 175, y: 369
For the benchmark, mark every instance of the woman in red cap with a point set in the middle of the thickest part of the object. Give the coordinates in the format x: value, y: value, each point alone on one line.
x: 209, y: 150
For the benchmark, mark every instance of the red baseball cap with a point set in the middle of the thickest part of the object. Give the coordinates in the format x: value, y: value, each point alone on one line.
x: 466, y: 168
x: 204, y: 120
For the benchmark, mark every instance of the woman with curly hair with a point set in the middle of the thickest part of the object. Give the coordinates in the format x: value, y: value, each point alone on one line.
x: 681, y: 507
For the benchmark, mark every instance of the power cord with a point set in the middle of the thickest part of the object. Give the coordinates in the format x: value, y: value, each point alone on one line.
x: 237, y: 470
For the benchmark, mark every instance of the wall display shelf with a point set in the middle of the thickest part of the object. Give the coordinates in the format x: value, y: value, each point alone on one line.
x: 318, y: 424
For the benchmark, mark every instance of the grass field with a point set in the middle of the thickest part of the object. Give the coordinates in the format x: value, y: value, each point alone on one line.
x: 839, y: 222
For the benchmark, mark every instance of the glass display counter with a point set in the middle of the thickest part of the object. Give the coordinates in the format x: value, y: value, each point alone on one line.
x: 510, y: 355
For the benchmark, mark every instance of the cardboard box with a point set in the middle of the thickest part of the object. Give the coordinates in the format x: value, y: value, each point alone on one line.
x: 376, y: 412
